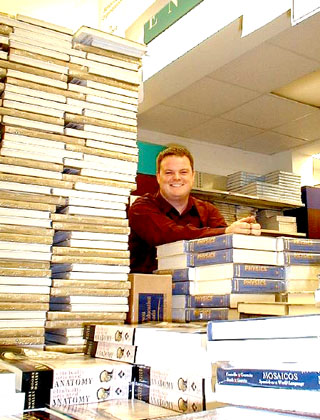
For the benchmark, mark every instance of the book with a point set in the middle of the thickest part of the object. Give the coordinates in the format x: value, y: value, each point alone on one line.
x: 298, y: 258
x: 301, y: 272
x: 227, y: 286
x: 88, y: 307
x: 218, y: 257
x: 200, y: 301
x: 203, y: 314
x: 228, y: 270
x: 265, y: 327
x: 90, y: 300
x: 213, y: 243
x: 109, y: 333
x: 274, y: 308
x: 150, y: 298
x: 112, y: 351
x: 298, y: 245
x: 176, y: 401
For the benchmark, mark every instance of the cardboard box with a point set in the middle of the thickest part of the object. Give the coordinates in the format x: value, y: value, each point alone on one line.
x: 150, y: 298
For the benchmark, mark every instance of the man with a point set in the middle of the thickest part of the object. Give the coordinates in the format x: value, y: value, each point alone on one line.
x: 173, y: 214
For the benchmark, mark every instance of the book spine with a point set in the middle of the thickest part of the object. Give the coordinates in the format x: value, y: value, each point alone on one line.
x: 109, y: 333
x: 300, y: 245
x: 169, y: 380
x: 213, y: 257
x: 180, y: 402
x: 207, y: 301
x: 112, y: 351
x: 89, y: 394
x: 303, y: 258
x: 151, y: 307
x: 180, y: 274
x: 206, y: 314
x: 259, y: 270
x: 211, y: 243
x: 181, y: 288
x: 269, y: 378
x: 258, y: 285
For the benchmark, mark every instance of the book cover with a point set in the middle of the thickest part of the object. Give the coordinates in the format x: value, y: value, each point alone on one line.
x: 298, y: 258
x: 265, y: 327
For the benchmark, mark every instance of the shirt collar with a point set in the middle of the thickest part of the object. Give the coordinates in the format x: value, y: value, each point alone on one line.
x: 166, y: 207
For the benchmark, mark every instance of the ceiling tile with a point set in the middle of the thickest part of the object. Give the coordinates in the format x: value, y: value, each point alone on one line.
x: 265, y: 68
x: 211, y: 97
x: 219, y: 131
x: 306, y: 128
x: 169, y: 120
x: 268, y: 111
x: 303, y: 38
x: 269, y: 143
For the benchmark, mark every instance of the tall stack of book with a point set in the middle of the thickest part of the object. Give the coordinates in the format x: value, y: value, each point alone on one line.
x: 160, y: 354
x: 90, y: 253
x: 68, y: 164
x: 34, y: 74
x: 212, y: 275
x: 261, y: 362
x: 275, y: 220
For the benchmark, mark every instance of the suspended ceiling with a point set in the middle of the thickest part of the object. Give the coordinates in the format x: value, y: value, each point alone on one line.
x: 226, y: 90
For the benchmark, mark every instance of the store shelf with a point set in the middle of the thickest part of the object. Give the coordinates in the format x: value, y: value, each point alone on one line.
x: 242, y: 199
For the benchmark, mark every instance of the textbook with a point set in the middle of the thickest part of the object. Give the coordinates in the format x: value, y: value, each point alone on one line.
x: 203, y: 314
x: 298, y: 258
x: 218, y: 257
x: 213, y: 243
x: 109, y: 333
x: 298, y: 245
x: 227, y: 286
x: 200, y: 301
x: 113, y: 351
x: 229, y: 270
x: 265, y: 327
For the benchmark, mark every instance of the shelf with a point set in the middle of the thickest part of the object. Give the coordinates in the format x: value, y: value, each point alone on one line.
x: 268, y: 232
x: 242, y: 199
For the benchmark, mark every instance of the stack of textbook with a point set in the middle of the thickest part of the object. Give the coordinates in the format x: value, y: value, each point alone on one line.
x: 91, y: 257
x: 261, y: 362
x: 211, y: 276
x: 68, y: 161
x: 11, y: 400
x: 57, y: 379
x: 160, y: 355
x: 34, y: 75
x: 301, y: 260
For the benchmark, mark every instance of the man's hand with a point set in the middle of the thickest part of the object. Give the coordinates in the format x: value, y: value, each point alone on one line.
x: 246, y: 226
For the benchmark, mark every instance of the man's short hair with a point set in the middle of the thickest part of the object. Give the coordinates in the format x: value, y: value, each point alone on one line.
x: 174, y: 151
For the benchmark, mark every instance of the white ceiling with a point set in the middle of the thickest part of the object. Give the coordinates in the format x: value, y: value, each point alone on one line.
x: 221, y: 91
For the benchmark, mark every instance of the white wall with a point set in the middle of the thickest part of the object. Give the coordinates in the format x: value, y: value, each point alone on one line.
x: 214, y: 159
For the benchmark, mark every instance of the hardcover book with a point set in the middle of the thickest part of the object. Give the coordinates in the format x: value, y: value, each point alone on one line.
x: 150, y: 298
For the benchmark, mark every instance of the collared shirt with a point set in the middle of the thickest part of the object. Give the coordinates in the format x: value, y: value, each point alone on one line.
x: 154, y: 221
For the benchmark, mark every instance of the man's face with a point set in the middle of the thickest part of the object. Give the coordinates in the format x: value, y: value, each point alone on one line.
x: 175, y: 178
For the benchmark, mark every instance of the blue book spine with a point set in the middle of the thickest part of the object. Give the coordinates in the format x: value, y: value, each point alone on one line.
x: 206, y: 314
x: 301, y: 245
x: 300, y: 258
x: 211, y: 243
x: 269, y: 378
x: 181, y: 288
x: 180, y: 274
x: 207, y: 301
x: 259, y: 285
x: 151, y: 307
x: 259, y: 271
x: 213, y: 257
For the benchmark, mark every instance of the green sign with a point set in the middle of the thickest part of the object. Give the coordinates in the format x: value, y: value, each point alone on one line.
x: 168, y: 15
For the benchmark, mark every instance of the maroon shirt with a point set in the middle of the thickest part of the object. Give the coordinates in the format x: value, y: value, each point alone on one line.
x: 153, y: 221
